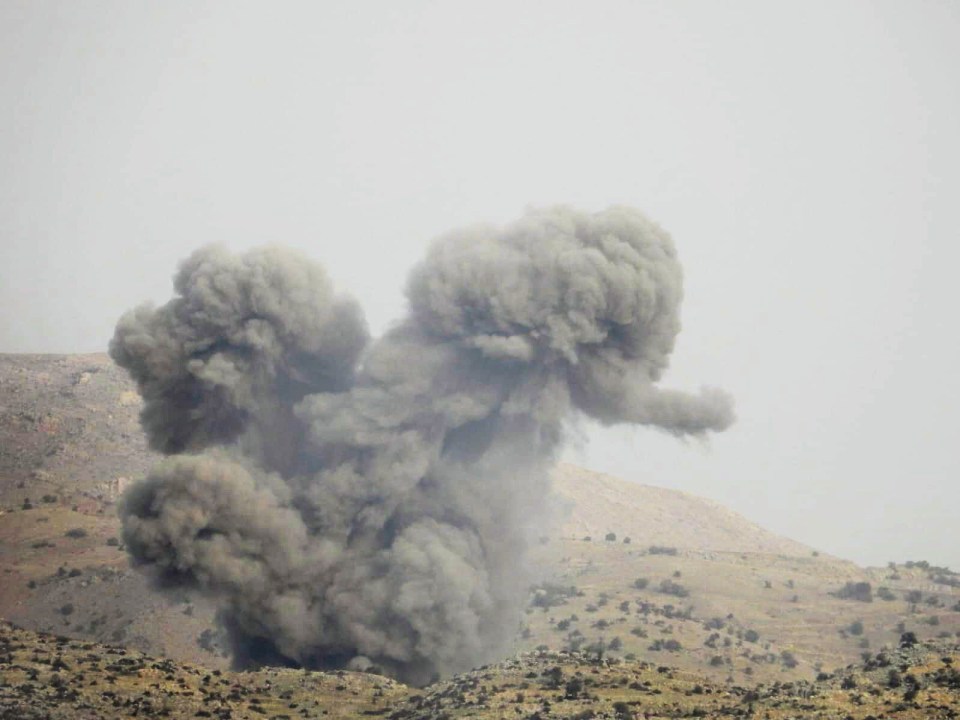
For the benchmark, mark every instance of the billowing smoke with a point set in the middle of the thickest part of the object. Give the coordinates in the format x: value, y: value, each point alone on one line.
x: 356, y: 501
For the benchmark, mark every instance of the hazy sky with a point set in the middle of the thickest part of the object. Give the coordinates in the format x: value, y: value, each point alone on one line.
x: 805, y: 156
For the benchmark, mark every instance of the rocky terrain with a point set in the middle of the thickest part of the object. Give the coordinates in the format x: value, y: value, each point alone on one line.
x: 45, y: 676
x: 643, y: 577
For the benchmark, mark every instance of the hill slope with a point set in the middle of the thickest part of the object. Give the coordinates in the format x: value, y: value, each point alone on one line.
x: 697, y: 586
x: 599, y: 504
x: 43, y: 676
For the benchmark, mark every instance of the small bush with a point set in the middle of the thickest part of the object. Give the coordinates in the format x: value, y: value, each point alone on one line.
x: 855, y: 628
x: 49, y: 498
x: 551, y: 595
x: 859, y: 591
x: 113, y: 542
x: 641, y: 583
x: 611, y: 537
x: 573, y: 689
x: 66, y: 609
x: 908, y: 639
x: 76, y: 533
x: 669, y: 587
x: 661, y: 550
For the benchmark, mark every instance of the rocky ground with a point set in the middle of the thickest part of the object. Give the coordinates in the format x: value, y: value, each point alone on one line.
x: 45, y: 676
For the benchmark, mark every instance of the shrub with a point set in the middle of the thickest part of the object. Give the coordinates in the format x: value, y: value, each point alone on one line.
x: 860, y: 591
x: 855, y: 628
x: 76, y: 533
x: 669, y: 587
x: 884, y: 593
x: 908, y: 639
x: 626, y: 540
x: 913, y: 596
x: 788, y: 659
x: 113, y: 542
x: 611, y: 537
x: 49, y: 498
x: 641, y: 583
x: 551, y: 595
x: 66, y: 609
x: 751, y: 636
x: 573, y: 689
x: 661, y: 550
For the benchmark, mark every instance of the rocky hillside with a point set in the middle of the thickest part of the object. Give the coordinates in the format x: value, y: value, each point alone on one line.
x: 44, y: 676
x: 641, y: 573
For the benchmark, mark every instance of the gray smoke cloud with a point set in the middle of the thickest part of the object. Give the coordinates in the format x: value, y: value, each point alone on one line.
x: 356, y: 501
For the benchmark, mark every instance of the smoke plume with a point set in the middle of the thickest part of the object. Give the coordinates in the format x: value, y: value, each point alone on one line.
x: 350, y: 501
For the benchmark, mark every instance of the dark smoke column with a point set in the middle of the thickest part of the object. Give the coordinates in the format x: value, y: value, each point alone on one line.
x: 349, y: 501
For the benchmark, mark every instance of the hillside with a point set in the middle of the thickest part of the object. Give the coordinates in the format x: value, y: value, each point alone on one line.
x: 598, y: 504
x: 44, y: 676
x: 682, y: 581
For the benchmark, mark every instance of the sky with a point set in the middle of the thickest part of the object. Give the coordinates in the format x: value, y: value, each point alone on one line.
x: 804, y: 157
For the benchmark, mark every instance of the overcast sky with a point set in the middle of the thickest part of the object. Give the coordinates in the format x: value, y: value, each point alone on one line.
x: 805, y: 157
